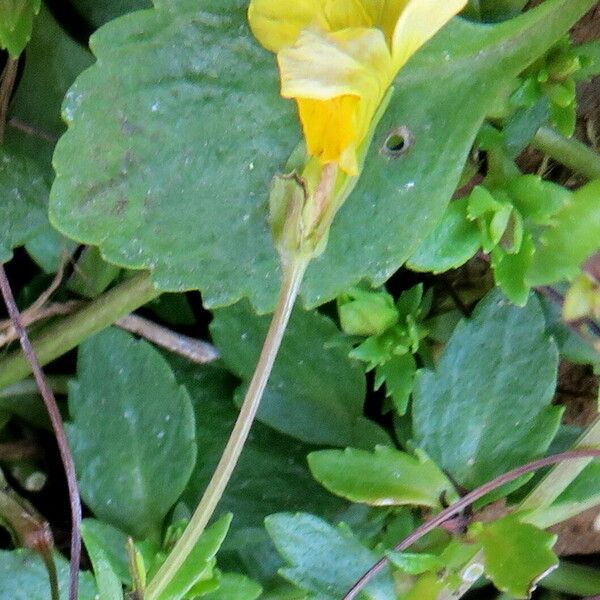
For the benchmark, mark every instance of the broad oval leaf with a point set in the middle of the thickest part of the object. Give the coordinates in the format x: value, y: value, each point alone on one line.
x: 487, y: 406
x: 176, y: 173
x: 177, y: 130
x: 386, y: 477
x: 323, y: 559
x: 132, y: 432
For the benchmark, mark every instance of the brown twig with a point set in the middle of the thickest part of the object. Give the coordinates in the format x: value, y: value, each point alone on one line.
x: 29, y: 317
x: 193, y: 349
x: 7, y: 82
x: 38, y: 311
x: 57, y: 426
x: 465, y: 502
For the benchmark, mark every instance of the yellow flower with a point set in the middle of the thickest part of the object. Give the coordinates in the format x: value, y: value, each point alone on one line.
x: 337, y: 59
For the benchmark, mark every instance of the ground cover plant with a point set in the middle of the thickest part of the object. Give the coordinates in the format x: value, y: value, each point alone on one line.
x: 297, y: 296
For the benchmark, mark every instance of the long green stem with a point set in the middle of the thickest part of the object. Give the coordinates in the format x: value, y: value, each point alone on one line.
x: 65, y: 334
x: 569, y: 152
x: 58, y: 384
x: 287, y: 297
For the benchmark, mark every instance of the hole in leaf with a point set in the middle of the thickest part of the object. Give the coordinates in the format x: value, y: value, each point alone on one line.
x: 398, y: 142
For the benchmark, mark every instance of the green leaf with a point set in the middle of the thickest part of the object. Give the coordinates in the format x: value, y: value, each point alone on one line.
x: 398, y: 373
x: 315, y: 392
x: 415, y: 564
x: 199, y: 562
x: 454, y: 241
x: 24, y: 185
x: 153, y: 171
x: 53, y: 61
x: 571, y: 345
x: 590, y: 52
x: 536, y: 199
x: 16, y: 23
x: 487, y: 407
x: 91, y: 275
x: 109, y: 584
x: 271, y: 475
x: 366, y: 312
x: 510, y: 271
x: 113, y: 543
x: 494, y: 10
x: 324, y: 560
x: 235, y: 587
x: 132, y: 432
x: 583, y: 493
x: 23, y: 576
x: 516, y: 555
x: 575, y: 236
x: 97, y: 13
x: 386, y: 477
x: 178, y: 113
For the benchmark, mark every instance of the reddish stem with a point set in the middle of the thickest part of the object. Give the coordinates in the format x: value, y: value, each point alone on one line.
x: 57, y: 426
x: 465, y: 502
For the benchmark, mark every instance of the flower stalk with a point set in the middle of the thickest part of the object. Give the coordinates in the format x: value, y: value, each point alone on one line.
x: 292, y: 279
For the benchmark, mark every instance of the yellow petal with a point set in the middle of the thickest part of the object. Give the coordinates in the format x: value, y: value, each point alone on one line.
x: 278, y: 23
x: 344, y: 14
x: 419, y: 21
x: 321, y: 66
x: 330, y: 128
x: 337, y: 97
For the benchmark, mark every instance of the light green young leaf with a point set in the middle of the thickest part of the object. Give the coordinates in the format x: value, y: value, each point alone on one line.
x: 315, y: 393
x: 575, y: 236
x: 132, y: 432
x: 415, y: 564
x: 108, y: 582
x: 235, y: 587
x: 385, y: 477
x: 454, y: 241
x: 398, y: 374
x: 199, y: 564
x: 16, y: 23
x: 366, y: 312
x: 510, y: 271
x: 23, y: 576
x: 324, y: 560
x: 487, y: 407
x: 516, y: 555
x: 166, y: 184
